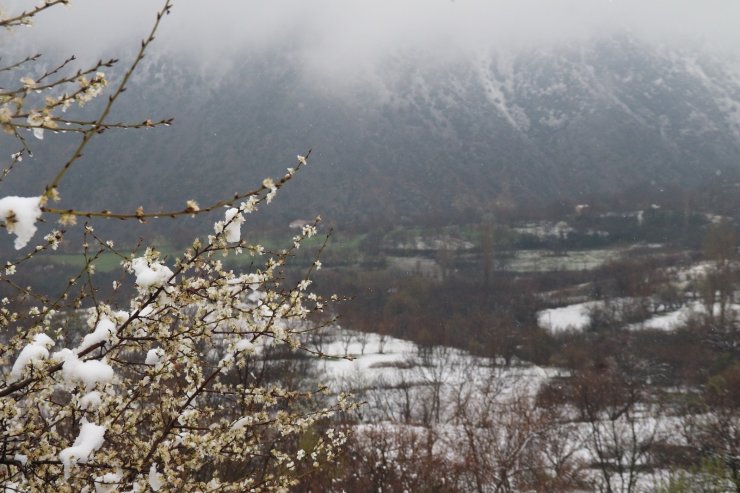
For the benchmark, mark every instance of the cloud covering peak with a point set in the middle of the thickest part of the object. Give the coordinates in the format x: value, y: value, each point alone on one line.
x: 345, y: 31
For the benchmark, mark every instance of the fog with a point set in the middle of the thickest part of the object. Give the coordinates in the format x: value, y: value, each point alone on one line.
x: 335, y: 35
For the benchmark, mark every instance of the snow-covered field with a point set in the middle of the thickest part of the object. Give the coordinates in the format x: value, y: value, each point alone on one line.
x: 370, y: 357
x: 648, y: 313
x: 547, y: 261
x: 571, y: 317
x: 577, y: 317
x: 671, y: 320
x: 395, y: 374
x: 411, y: 390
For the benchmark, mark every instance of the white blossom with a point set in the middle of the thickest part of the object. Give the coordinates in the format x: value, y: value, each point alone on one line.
x: 6, y: 115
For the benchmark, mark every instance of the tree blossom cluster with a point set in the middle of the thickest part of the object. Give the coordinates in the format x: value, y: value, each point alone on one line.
x: 166, y: 391
x: 168, y: 377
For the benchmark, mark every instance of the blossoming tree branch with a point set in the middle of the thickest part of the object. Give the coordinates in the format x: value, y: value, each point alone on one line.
x: 161, y: 393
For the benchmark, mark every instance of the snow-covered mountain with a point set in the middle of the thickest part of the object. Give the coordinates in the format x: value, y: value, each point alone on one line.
x: 414, y: 136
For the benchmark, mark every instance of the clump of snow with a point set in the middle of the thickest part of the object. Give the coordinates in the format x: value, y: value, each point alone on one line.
x: 20, y: 215
x: 89, y: 372
x: 154, y: 356
x: 104, y: 329
x: 241, y: 346
x: 242, y: 423
x: 244, y: 345
x: 156, y: 480
x: 146, y: 311
x: 90, y: 401
x: 150, y: 274
x: 89, y: 440
x: 233, y: 228
x: 107, y: 483
x: 37, y: 350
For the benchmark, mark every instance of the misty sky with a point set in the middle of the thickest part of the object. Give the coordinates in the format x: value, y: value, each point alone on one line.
x: 342, y: 44
x: 343, y: 31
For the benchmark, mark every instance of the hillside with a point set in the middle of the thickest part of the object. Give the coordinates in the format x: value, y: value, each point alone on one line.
x: 424, y: 138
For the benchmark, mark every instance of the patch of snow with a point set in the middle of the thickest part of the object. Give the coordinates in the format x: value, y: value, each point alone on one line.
x: 156, y: 480
x: 89, y: 440
x: 244, y: 345
x: 104, y: 329
x: 553, y: 119
x: 154, y: 356
x: 107, y: 483
x: 90, y: 401
x: 545, y: 229
x: 233, y: 229
x: 547, y: 260
x: 669, y: 321
x: 242, y: 422
x: 495, y: 92
x: 20, y: 215
x: 37, y: 350
x: 150, y: 274
x: 89, y: 373
x: 402, y: 365
x: 572, y: 317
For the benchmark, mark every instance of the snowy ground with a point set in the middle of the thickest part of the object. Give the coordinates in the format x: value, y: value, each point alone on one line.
x: 671, y: 320
x: 548, y: 261
x: 566, y: 318
x: 386, y: 357
x: 399, y: 383
x: 395, y: 375
x: 576, y: 317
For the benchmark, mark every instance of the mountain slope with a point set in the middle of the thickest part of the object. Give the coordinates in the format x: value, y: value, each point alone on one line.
x: 423, y: 140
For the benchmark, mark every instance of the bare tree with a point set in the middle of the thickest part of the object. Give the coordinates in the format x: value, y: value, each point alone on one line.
x: 712, y: 426
x: 432, y: 368
x: 620, y: 428
x: 509, y: 444
x: 362, y: 338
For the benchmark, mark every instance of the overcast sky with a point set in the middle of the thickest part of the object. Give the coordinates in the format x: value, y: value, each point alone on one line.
x: 338, y: 33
